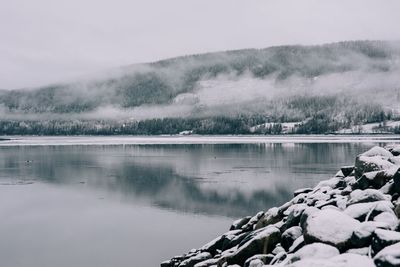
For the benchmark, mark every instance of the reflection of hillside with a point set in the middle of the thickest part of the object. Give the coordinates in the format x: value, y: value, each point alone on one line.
x: 228, y: 180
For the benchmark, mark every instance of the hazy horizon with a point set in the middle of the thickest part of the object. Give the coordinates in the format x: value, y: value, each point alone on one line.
x: 45, y: 42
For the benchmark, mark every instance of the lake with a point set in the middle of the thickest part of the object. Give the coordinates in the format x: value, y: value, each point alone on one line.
x: 136, y: 201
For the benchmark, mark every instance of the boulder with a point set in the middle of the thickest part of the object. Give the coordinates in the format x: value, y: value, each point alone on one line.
x: 383, y: 238
x: 315, y: 251
x: 395, y: 150
x: 239, y: 223
x: 218, y: 242
x: 362, y: 235
x: 375, y: 179
x: 295, y: 212
x: 396, y: 180
x: 387, y: 217
x: 371, y: 163
x: 360, y: 211
x: 195, y: 259
x: 302, y: 191
x: 331, y: 227
x: 367, y: 195
x: 289, y: 236
x: 347, y: 170
x: 342, y: 260
x: 270, y: 217
x: 264, y: 258
x: 262, y: 243
x: 249, y: 226
x: 297, y: 244
x: 388, y: 257
x: 359, y: 251
x: 377, y: 151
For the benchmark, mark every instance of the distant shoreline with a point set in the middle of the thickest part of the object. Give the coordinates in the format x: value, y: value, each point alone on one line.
x: 192, y: 139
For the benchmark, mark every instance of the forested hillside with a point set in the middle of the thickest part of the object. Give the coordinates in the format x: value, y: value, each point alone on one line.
x: 324, y: 88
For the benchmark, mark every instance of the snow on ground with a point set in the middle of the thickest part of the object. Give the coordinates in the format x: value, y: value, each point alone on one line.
x: 369, y: 128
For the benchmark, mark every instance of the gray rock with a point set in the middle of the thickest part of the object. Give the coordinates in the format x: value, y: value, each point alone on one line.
x: 367, y: 195
x: 342, y: 260
x: 331, y: 227
x: 359, y: 251
x: 360, y: 211
x: 347, y: 170
x: 270, y: 217
x: 371, y: 163
x: 297, y: 244
x: 249, y: 226
x: 290, y: 235
x: 239, y: 223
x: 362, y: 235
x: 396, y: 180
x: 383, y: 238
x: 387, y: 217
x: 195, y: 259
x: 302, y: 191
x: 375, y: 179
x: 388, y: 257
x: 395, y: 150
x: 315, y: 251
x: 295, y: 212
x: 264, y: 258
x: 262, y: 243
x: 218, y: 242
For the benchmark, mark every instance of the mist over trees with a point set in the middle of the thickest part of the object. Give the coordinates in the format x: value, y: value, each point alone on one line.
x: 325, y: 88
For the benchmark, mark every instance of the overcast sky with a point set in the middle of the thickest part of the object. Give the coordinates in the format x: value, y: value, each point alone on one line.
x: 44, y: 41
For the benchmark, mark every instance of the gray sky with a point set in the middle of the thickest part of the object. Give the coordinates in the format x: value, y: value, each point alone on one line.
x: 45, y: 41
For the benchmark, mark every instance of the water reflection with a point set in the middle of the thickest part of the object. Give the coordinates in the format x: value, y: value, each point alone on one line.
x: 229, y: 180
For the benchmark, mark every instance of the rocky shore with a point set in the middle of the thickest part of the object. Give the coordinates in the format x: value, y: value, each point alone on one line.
x: 351, y: 219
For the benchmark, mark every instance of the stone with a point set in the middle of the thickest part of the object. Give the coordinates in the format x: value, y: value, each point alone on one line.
x: 331, y: 227
x: 388, y: 257
x: 289, y: 236
x: 359, y: 251
x: 395, y: 150
x: 375, y: 179
x: 396, y: 180
x: 347, y: 170
x: 377, y: 151
x: 239, y: 223
x: 195, y: 259
x: 342, y: 260
x: 270, y: 217
x: 249, y: 226
x: 208, y: 263
x: 360, y: 211
x: 297, y: 244
x: 302, y: 191
x: 387, y: 217
x: 362, y: 235
x: 295, y: 212
x: 370, y: 163
x: 264, y: 258
x: 383, y: 238
x: 262, y: 243
x: 218, y: 242
x: 316, y: 251
x: 367, y: 195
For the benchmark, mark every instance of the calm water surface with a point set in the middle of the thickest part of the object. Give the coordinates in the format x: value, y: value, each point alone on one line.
x: 136, y: 205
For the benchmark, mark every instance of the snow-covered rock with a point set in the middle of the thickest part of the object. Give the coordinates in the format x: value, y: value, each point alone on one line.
x: 389, y: 256
x: 262, y: 243
x: 315, y: 251
x: 367, y: 195
x: 331, y: 227
x: 290, y: 235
